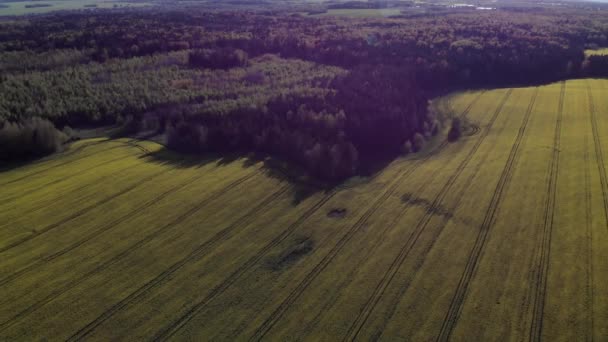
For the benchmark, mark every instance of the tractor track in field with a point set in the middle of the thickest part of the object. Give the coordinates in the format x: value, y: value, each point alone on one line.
x: 349, y: 278
x: 589, y: 242
x: 330, y: 302
x: 77, y: 190
x: 61, y: 154
x: 504, y: 181
x: 104, y: 228
x: 169, y: 330
x: 82, y: 211
x: 80, y: 148
x: 445, y: 142
x: 134, y: 143
x: 474, y: 129
x: 49, y: 202
x: 197, y: 253
x: 329, y: 257
x: 419, y: 264
x: 7, y: 324
x: 542, y: 267
x: 370, y: 305
x: 600, y: 163
x: 598, y: 152
x: 62, y: 179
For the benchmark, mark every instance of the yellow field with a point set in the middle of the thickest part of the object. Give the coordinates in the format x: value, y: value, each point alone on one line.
x: 357, y: 13
x: 598, y: 52
x: 499, y: 236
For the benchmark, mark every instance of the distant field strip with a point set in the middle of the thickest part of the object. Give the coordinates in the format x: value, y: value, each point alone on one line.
x: 500, y: 235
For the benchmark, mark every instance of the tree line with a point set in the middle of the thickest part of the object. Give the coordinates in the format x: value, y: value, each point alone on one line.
x: 329, y: 94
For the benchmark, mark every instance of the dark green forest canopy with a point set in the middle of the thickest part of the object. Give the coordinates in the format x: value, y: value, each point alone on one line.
x: 93, y: 92
x: 328, y: 93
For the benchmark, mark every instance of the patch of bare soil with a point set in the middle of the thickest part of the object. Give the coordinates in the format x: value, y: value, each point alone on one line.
x: 301, y: 247
x: 337, y: 213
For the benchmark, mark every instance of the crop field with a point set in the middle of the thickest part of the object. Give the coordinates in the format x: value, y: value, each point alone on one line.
x: 500, y: 235
x: 371, y: 12
x: 598, y: 52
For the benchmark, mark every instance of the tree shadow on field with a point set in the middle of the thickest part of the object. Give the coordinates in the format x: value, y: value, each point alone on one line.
x: 9, y: 165
x: 65, y: 150
x: 302, y: 186
x: 166, y: 156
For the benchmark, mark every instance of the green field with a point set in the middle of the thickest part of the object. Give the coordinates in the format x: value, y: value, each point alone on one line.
x: 19, y: 7
x: 372, y: 12
x: 499, y: 236
x: 598, y: 52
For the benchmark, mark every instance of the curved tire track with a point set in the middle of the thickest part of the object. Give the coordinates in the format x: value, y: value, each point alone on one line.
x: 445, y: 142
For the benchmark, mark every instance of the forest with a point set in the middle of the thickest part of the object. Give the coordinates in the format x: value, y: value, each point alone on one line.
x: 332, y: 95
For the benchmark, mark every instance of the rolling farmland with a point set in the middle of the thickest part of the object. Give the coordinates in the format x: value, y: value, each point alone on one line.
x: 500, y: 235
